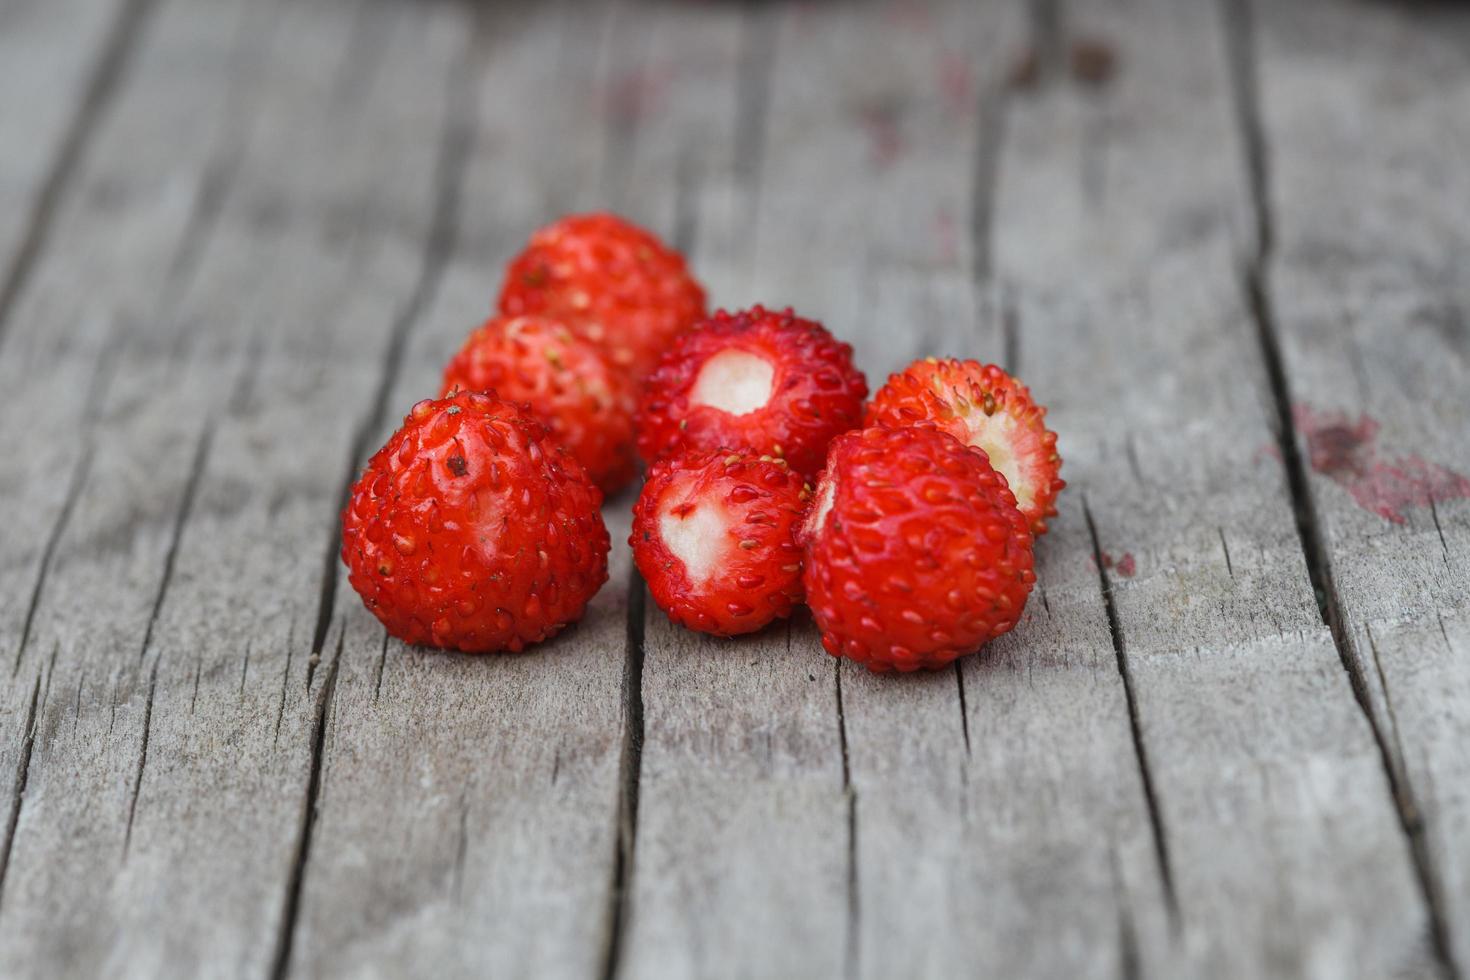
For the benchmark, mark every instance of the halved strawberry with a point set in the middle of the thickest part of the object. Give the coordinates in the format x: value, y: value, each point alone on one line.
x: 981, y: 405
x: 714, y: 536
x: 772, y: 383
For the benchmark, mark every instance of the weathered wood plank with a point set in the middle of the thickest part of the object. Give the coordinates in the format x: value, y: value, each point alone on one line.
x: 58, y: 64
x: 1121, y: 210
x: 983, y: 820
x: 468, y: 807
x: 840, y: 812
x: 164, y: 804
x: 1367, y: 298
x: 63, y: 340
x: 740, y: 863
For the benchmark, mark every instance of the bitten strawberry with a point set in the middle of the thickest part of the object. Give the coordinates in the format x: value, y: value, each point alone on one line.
x: 611, y: 282
x: 472, y: 530
x: 982, y: 406
x: 768, y: 382
x: 714, y: 536
x: 587, y: 404
x: 915, y: 551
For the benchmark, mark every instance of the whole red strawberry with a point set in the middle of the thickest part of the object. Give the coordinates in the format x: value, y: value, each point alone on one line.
x: 982, y: 406
x: 471, y: 530
x: 714, y: 536
x: 915, y: 551
x: 611, y: 282
x: 567, y: 384
x: 772, y: 383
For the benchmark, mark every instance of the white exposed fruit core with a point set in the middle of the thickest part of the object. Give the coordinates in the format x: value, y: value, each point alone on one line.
x: 995, y: 434
x: 825, y: 492
x: 696, y: 538
x: 734, y: 381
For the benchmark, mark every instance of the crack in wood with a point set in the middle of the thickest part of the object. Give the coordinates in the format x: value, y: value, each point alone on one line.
x: 1129, y: 959
x: 454, y: 151
x: 753, y: 96
x: 285, y: 680
x: 1240, y: 38
x: 849, y: 793
x: 630, y: 773
x: 18, y: 785
x: 959, y: 679
x: 290, y: 913
x: 1443, y: 544
x: 1150, y: 793
x: 48, y: 553
x: 101, y: 88
x: 137, y: 787
x: 984, y: 183
x: 181, y: 519
x: 378, y: 673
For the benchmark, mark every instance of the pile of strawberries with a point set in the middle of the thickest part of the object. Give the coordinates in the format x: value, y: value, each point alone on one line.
x: 905, y: 524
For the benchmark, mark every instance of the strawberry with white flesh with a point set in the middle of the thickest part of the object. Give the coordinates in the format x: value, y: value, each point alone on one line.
x: 771, y: 383
x: 982, y: 406
x: 714, y: 537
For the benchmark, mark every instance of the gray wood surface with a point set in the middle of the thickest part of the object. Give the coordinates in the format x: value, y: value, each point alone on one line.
x: 1224, y: 241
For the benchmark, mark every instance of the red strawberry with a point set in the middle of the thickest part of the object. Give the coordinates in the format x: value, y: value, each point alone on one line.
x: 982, y: 406
x: 612, y: 282
x: 713, y: 535
x: 471, y: 530
x: 915, y: 551
x: 567, y: 384
x: 772, y: 383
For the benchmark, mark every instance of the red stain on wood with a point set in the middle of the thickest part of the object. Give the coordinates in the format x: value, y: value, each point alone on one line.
x: 909, y: 14
x: 1094, y: 62
x: 880, y: 122
x: 1125, y: 566
x: 1346, y: 452
x: 636, y: 95
x: 956, y: 82
x: 946, y: 236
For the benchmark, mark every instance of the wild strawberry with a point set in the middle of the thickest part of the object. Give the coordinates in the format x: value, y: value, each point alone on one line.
x: 982, y: 406
x: 471, y: 530
x: 772, y: 383
x: 713, y: 535
x: 611, y: 282
x: 915, y: 551
x: 567, y: 384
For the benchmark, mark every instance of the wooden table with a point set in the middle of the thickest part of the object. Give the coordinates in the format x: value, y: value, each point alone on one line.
x: 1227, y: 243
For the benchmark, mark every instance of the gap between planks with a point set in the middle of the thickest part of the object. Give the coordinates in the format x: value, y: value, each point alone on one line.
x: 102, y: 85
x: 458, y: 138
x: 1241, y: 56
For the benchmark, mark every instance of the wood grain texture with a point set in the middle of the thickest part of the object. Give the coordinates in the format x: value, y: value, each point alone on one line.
x: 59, y: 63
x: 173, y: 756
x: 1134, y: 200
x: 1368, y: 298
x: 739, y: 860
x: 468, y: 806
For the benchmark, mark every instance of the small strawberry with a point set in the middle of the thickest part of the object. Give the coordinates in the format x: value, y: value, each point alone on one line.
x: 471, y: 530
x: 611, y: 282
x: 982, y: 406
x: 915, y: 551
x: 567, y: 384
x: 772, y: 383
x: 713, y: 535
